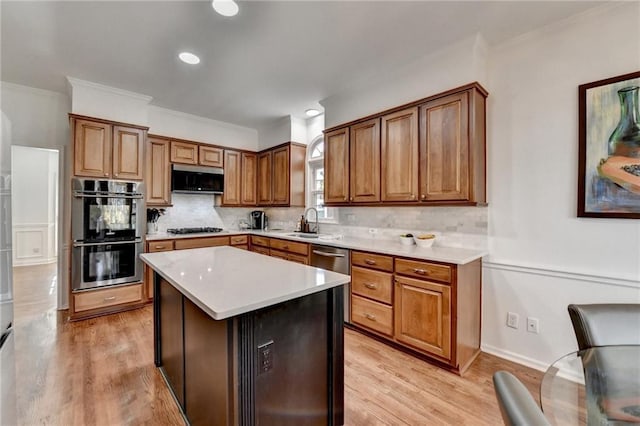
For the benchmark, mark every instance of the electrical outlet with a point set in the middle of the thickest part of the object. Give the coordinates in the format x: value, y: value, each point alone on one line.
x: 265, y: 357
x: 533, y: 326
x: 512, y: 319
x: 373, y: 231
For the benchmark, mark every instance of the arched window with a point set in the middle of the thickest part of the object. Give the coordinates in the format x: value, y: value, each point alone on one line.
x: 315, y: 193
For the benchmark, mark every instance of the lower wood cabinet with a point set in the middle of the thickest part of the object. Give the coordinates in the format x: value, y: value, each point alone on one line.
x: 91, y: 303
x: 431, y: 308
x: 292, y: 251
x: 189, y: 243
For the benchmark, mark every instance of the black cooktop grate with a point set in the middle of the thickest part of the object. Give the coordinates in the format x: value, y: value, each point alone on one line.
x: 192, y: 230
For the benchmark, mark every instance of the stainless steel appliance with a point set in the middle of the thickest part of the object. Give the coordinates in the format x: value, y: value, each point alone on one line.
x: 337, y: 260
x: 107, y: 224
x: 258, y: 220
x: 197, y: 179
x: 7, y: 348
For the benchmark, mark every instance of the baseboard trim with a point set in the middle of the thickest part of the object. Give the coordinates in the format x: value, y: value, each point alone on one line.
x: 514, y: 357
x: 38, y: 261
x: 556, y: 273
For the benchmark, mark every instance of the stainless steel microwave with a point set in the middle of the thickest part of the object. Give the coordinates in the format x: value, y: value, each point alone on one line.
x: 195, y: 179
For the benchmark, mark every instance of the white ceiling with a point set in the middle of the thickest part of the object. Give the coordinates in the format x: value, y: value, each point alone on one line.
x: 271, y: 60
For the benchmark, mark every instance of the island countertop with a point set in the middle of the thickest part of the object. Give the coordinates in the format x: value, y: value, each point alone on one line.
x: 225, y: 281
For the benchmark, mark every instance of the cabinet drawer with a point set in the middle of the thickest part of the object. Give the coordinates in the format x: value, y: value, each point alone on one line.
x: 373, y: 315
x: 109, y: 297
x: 372, y: 284
x: 279, y: 254
x: 201, y: 242
x: 239, y: 239
x: 369, y: 260
x: 298, y: 258
x: 424, y: 270
x: 241, y: 247
x: 290, y: 246
x: 154, y: 246
x: 261, y: 250
x: 259, y: 241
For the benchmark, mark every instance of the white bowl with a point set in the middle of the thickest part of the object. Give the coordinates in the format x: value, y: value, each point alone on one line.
x: 407, y: 241
x: 424, y: 242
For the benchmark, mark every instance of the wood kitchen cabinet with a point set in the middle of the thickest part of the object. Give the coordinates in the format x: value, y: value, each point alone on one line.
x: 240, y: 178
x: 452, y: 148
x: 185, y: 152
x: 158, y: 172
x: 399, y: 152
x: 428, y: 308
x: 432, y: 152
x: 281, y: 175
x: 106, y: 149
x: 336, y: 166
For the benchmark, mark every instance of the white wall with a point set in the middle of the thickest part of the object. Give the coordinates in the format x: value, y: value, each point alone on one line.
x: 39, y: 118
x: 275, y: 133
x: 454, y: 66
x: 34, y: 204
x: 542, y: 256
x: 177, y: 124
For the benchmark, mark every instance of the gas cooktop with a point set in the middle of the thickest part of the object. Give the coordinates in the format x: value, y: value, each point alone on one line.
x: 192, y: 230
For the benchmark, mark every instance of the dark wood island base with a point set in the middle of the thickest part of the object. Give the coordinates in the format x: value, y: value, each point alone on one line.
x: 279, y: 365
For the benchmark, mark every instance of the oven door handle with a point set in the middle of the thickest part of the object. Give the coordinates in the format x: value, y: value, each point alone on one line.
x: 106, y: 195
x: 110, y: 243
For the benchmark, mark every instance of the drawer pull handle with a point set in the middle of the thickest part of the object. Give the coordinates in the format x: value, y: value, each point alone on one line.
x: 370, y: 262
x: 370, y: 286
x: 109, y: 299
x: 420, y: 271
x: 160, y: 247
x: 285, y: 247
x: 370, y: 317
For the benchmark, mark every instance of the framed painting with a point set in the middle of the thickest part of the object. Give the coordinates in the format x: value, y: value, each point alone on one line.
x: 609, y: 148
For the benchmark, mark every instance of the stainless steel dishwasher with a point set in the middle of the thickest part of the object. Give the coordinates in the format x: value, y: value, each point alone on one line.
x: 337, y: 260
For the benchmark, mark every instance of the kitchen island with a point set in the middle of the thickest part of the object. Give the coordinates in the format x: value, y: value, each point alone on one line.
x: 248, y: 339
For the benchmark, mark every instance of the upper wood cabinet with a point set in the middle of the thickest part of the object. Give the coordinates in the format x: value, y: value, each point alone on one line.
x: 158, y: 172
x: 452, y: 148
x: 232, y: 178
x: 265, y: 191
x: 400, y: 156
x: 184, y: 152
x: 431, y: 151
x: 281, y: 176
x: 103, y: 149
x: 210, y: 156
x: 336, y: 166
x: 364, y: 144
x: 249, y: 167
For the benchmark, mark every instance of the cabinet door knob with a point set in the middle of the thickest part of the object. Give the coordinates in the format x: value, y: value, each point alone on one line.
x: 106, y: 174
x: 413, y: 196
x: 423, y: 196
x: 351, y: 198
x: 345, y: 198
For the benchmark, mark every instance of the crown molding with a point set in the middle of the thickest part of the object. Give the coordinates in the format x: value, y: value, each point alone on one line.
x: 76, y: 82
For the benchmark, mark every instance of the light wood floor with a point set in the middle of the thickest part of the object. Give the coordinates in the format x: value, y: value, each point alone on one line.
x: 100, y: 372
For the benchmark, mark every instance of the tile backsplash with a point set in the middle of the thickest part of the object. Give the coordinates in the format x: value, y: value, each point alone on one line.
x: 454, y: 226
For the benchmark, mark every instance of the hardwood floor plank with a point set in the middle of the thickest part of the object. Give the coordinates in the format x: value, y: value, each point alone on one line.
x: 100, y: 372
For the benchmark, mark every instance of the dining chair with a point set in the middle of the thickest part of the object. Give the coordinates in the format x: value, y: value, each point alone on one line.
x: 517, y: 406
x: 605, y: 324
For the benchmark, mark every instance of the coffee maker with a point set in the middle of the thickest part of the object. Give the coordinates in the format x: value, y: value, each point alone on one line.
x: 258, y: 220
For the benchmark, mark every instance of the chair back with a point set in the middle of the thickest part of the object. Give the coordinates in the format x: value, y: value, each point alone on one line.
x: 517, y: 406
x: 605, y: 324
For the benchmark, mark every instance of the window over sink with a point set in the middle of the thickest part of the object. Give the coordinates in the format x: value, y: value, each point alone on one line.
x: 315, y: 184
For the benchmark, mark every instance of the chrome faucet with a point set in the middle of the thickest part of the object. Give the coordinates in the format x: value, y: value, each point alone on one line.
x: 316, y: 229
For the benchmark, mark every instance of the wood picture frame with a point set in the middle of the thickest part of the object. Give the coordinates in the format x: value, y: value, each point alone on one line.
x: 609, y: 148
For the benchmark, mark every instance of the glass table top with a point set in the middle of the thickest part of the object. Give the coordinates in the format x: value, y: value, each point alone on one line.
x: 597, y: 386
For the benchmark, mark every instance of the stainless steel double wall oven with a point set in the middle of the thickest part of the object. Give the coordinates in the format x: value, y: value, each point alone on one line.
x: 107, y: 224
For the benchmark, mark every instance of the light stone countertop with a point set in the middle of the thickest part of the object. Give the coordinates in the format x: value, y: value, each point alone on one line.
x: 226, y: 281
x: 455, y: 255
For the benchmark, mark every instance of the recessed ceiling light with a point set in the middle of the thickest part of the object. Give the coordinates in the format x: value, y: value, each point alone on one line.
x: 312, y: 112
x: 189, y: 58
x: 225, y: 7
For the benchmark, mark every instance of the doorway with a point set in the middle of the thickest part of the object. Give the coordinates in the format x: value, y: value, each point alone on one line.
x: 35, y: 195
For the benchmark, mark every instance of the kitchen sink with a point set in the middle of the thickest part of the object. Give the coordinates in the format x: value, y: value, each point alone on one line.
x: 303, y: 235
